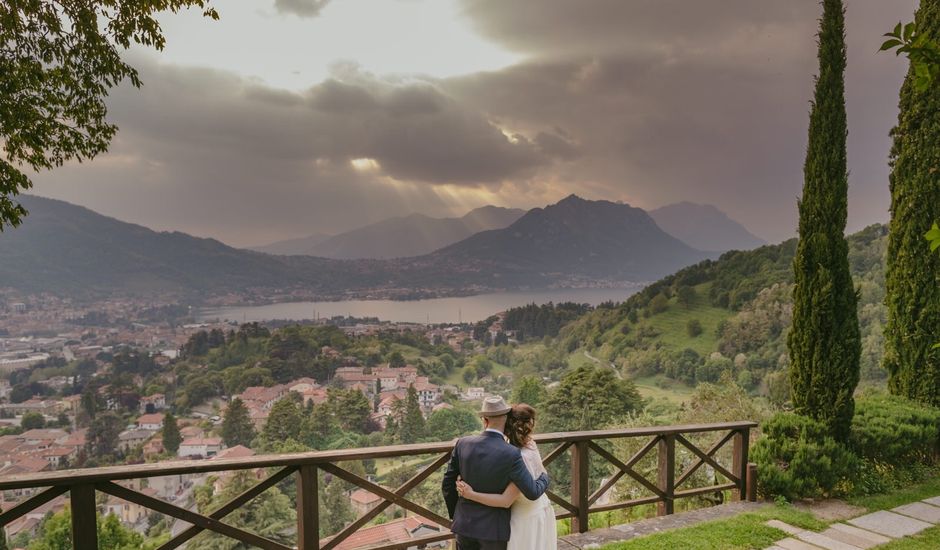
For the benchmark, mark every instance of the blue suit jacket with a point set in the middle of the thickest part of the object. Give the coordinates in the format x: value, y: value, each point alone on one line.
x: 487, y: 463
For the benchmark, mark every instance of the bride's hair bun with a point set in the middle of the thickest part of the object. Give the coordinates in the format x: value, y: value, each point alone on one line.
x: 519, y: 424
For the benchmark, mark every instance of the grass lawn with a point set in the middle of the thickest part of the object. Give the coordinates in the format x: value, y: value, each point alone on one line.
x: 748, y: 530
x: 887, y: 501
x: 741, y: 532
x: 660, y: 387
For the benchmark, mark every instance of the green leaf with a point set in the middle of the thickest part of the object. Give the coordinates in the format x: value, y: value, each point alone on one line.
x: 897, y: 29
x: 909, y: 31
x: 893, y: 43
x: 933, y: 236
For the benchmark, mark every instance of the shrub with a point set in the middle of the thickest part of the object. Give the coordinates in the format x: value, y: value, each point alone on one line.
x: 894, y: 430
x: 694, y: 327
x: 713, y: 367
x: 685, y: 295
x: 659, y: 304
x: 796, y: 458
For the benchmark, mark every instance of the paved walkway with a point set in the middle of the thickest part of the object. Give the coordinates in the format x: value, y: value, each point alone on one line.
x: 863, y: 532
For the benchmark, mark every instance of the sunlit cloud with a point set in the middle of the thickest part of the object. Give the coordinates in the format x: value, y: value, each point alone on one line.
x: 365, y: 165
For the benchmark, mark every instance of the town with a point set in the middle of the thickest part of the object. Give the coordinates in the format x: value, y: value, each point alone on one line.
x: 106, y: 383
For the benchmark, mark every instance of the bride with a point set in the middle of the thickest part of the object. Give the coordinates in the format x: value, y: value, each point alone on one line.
x: 532, y: 523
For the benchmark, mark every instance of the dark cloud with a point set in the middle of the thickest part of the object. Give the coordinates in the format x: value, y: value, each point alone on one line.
x: 706, y: 101
x: 223, y: 156
x: 601, y: 27
x: 302, y: 8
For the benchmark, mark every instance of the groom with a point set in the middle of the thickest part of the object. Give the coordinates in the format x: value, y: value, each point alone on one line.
x: 488, y: 464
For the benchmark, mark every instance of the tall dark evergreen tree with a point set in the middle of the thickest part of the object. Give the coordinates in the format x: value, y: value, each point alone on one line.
x: 237, y: 428
x: 171, y: 434
x: 913, y: 295
x: 824, y: 342
x: 411, y: 425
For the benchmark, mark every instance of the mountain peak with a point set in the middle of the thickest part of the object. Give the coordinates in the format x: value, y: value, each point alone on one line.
x: 579, y: 236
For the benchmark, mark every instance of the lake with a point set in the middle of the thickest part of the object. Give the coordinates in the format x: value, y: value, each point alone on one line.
x: 436, y: 310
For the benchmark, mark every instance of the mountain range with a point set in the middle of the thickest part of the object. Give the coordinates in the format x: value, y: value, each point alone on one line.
x: 70, y: 250
x: 701, y: 226
x: 398, y: 237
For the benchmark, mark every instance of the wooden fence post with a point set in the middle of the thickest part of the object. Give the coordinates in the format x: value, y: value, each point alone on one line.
x: 84, y: 517
x: 308, y: 508
x: 751, y: 482
x: 739, y: 463
x: 580, y: 490
x: 667, y: 473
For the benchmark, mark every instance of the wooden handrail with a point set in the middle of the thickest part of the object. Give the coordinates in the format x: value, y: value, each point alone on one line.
x: 82, y: 484
x: 158, y: 469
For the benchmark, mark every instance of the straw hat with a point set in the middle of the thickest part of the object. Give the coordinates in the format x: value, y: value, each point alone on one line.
x: 494, y: 406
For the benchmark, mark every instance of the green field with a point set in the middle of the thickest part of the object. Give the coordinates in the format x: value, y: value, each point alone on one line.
x: 659, y: 387
x: 672, y: 323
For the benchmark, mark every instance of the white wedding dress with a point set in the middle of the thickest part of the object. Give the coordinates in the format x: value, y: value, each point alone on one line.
x: 532, y: 523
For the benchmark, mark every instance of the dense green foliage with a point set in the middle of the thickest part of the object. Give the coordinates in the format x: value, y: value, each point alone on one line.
x: 529, y: 390
x: 798, y: 458
x: 537, y: 321
x: 171, y: 434
x: 913, y: 295
x: 55, y: 533
x: 895, y: 430
x: 237, y: 428
x: 824, y: 340
x: 284, y: 422
x: 59, y: 60
x: 579, y: 404
x: 446, y: 424
x: 103, y: 433
x: 744, y: 304
x: 923, y: 52
x: 407, y: 421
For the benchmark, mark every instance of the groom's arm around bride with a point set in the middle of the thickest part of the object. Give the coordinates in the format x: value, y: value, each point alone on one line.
x: 489, y: 464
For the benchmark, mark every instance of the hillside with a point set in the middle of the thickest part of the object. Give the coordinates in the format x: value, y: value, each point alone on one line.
x: 704, y: 227
x: 71, y: 250
x: 578, y: 238
x: 741, y: 305
x: 399, y: 237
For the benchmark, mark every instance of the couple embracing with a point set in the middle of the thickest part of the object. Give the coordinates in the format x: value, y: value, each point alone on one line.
x: 495, y: 484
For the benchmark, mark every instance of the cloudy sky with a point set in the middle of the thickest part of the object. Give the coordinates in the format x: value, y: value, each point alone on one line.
x: 292, y: 117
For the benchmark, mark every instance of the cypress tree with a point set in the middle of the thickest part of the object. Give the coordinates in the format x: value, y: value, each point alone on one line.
x: 913, y: 296
x: 171, y: 434
x: 824, y: 340
x: 237, y: 428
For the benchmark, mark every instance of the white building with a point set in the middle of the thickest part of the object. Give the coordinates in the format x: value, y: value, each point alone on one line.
x: 204, y: 447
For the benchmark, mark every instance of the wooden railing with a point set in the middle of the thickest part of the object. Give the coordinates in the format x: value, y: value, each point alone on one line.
x: 82, y: 485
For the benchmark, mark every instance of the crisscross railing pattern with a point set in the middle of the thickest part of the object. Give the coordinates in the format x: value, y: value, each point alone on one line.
x: 82, y: 485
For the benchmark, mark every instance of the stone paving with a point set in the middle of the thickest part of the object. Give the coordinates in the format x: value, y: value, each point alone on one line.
x: 863, y: 532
